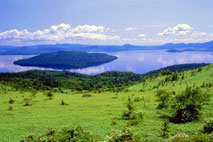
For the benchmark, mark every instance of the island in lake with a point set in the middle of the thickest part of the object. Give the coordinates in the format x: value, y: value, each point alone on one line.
x: 67, y: 60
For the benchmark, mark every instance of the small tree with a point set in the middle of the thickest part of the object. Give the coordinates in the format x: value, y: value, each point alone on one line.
x: 131, y: 113
x: 163, y: 97
x: 165, y: 130
x: 130, y: 109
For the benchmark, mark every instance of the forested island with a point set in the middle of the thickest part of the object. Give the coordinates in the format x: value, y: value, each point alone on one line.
x: 67, y: 60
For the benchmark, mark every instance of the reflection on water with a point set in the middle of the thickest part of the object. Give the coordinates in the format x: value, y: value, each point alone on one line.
x: 134, y: 61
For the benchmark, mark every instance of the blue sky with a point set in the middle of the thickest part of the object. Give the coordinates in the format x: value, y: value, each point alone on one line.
x: 140, y: 22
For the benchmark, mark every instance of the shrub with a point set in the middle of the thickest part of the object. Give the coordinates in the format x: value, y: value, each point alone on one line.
x: 113, y: 122
x: 123, y: 135
x: 208, y: 126
x: 63, y: 103
x: 68, y: 134
x: 27, y: 102
x: 191, y: 138
x: 49, y: 94
x: 10, y: 108
x: 165, y: 130
x: 131, y: 114
x: 138, y: 99
x: 87, y: 95
x: 34, y: 92
x: 11, y: 101
x: 163, y: 97
x: 116, y: 96
x: 186, y: 107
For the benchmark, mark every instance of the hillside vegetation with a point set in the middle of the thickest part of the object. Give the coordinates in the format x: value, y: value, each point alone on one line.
x: 67, y: 60
x: 142, y: 111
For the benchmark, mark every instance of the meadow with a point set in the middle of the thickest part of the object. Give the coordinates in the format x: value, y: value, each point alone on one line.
x: 34, y: 113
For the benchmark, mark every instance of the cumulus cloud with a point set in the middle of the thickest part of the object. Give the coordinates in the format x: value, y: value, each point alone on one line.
x: 142, y: 35
x: 59, y: 33
x: 180, y: 29
x: 131, y: 29
x: 89, y: 29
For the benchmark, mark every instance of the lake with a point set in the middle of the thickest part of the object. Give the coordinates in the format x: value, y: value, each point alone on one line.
x: 134, y: 61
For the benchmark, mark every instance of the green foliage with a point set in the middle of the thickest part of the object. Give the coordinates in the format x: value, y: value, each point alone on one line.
x: 34, y: 92
x: 10, y: 108
x: 182, y: 137
x: 186, y: 106
x: 11, y: 101
x: 138, y: 99
x: 67, y: 59
x: 47, y: 80
x: 68, y: 134
x: 163, y: 97
x: 164, y: 133
x: 208, y: 126
x: 27, y: 102
x: 49, y: 94
x: 125, y: 134
x: 63, y: 103
x: 131, y: 113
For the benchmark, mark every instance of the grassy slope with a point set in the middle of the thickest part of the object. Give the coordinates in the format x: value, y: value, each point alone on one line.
x: 95, y: 113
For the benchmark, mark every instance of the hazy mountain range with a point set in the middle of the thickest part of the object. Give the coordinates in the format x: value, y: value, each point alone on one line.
x: 38, y: 49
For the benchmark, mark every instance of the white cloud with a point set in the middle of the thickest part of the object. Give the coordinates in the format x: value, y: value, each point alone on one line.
x: 131, y: 29
x: 180, y: 29
x: 199, y: 34
x: 142, y: 35
x: 89, y: 29
x: 58, y: 33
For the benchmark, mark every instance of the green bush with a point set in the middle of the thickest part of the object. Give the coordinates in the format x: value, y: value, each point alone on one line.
x: 11, y: 101
x: 186, y: 106
x: 208, y: 126
x: 163, y: 97
x: 191, y: 138
x: 138, y: 99
x: 10, y: 108
x: 63, y: 103
x: 49, y: 94
x: 68, y: 134
x: 123, y: 135
x: 131, y: 113
x: 164, y: 133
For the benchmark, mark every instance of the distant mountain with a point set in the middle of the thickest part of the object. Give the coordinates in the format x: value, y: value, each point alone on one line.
x: 67, y: 60
x: 39, y: 49
x: 181, y: 47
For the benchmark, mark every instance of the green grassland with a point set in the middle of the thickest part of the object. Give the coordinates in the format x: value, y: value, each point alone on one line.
x: 96, y: 114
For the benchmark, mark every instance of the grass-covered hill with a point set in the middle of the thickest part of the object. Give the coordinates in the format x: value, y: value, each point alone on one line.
x: 67, y: 60
x: 142, y: 111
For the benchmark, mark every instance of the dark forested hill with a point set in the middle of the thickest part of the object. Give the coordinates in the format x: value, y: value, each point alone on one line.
x: 48, y: 80
x: 67, y: 60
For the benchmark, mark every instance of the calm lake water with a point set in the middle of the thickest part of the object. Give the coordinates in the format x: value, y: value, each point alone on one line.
x: 134, y: 61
